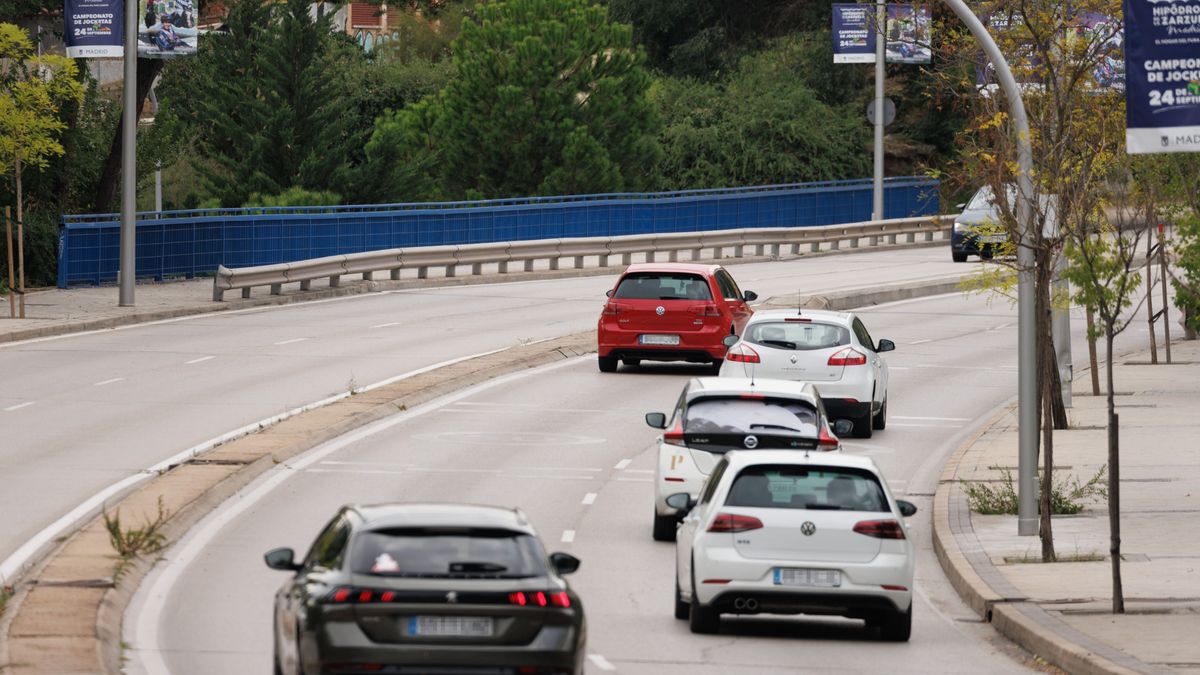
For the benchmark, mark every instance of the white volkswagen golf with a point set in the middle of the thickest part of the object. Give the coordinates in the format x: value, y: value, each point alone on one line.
x: 832, y: 350
x: 715, y: 415
x: 795, y: 533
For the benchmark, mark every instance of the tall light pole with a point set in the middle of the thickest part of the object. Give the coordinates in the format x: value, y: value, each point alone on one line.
x: 880, y: 43
x: 1027, y: 413
x: 128, y: 255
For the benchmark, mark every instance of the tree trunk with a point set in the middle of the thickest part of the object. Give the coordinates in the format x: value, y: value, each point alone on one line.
x: 106, y: 189
x: 1057, y: 411
x: 20, y: 243
x: 1114, y: 484
x: 1091, y: 326
x: 1045, y: 491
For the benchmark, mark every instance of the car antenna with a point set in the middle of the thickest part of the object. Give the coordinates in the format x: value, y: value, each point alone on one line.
x: 799, y: 303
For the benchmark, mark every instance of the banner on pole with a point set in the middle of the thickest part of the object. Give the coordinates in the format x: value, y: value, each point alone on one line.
x: 1162, y: 74
x: 94, y: 28
x: 908, y: 33
x: 167, y: 29
x: 853, y: 33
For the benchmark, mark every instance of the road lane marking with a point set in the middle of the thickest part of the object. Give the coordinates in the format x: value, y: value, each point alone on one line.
x: 634, y: 480
x: 290, y: 342
x: 589, y: 499
x: 639, y: 470
x: 919, y: 342
x: 938, y: 419
x: 18, y: 406
x: 620, y: 466
x: 927, y: 426
x: 568, y: 536
x: 387, y: 325
x: 202, y: 359
x: 899, y: 368
x: 107, y: 382
x: 601, y: 662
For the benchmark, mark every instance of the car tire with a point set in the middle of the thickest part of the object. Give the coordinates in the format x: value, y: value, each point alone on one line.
x: 608, y: 364
x: 682, y: 609
x: 958, y: 257
x: 664, y: 527
x: 703, y: 620
x: 715, y: 366
x: 863, y: 426
x: 632, y: 362
x: 879, y: 422
x: 897, y: 627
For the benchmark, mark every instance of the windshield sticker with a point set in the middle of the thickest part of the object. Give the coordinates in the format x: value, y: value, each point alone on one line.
x: 385, y: 563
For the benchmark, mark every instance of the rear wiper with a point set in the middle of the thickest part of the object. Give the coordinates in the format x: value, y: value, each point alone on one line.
x: 774, y: 426
x: 779, y: 343
x: 824, y: 507
x: 460, y: 567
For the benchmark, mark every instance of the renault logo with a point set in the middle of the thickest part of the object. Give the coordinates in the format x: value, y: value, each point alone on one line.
x: 751, y: 442
x: 807, y: 529
x: 660, y: 310
x: 452, y: 597
x: 793, y: 359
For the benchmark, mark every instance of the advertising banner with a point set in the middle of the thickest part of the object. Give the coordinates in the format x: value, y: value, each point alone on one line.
x: 853, y: 33
x: 167, y: 29
x: 94, y: 28
x: 1162, y: 75
x: 908, y: 31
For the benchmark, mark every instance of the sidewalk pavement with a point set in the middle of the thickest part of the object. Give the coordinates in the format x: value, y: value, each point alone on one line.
x: 1062, y: 611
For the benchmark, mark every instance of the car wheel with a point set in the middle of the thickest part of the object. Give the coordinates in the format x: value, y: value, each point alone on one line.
x: 715, y: 367
x: 632, y: 362
x: 701, y: 619
x: 682, y: 609
x: 897, y: 627
x: 986, y: 254
x: 608, y: 364
x: 862, y: 426
x: 664, y: 528
x: 958, y: 257
x: 879, y: 422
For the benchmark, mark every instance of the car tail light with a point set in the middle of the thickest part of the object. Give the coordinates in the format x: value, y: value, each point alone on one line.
x: 797, y: 319
x: 826, y: 440
x: 742, y: 354
x: 848, y: 357
x: 675, y: 436
x: 731, y: 522
x: 615, y: 308
x: 708, y: 309
x: 880, y: 529
x: 540, y: 599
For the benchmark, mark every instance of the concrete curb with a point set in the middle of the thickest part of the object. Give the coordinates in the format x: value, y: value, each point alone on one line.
x: 376, y: 286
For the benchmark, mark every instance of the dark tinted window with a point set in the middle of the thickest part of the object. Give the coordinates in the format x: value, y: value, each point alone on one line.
x: 741, y: 416
x: 814, y: 487
x: 663, y: 286
x: 441, y: 553
x: 797, y: 335
x: 727, y: 285
x: 714, y: 479
x: 860, y: 331
x: 330, y: 545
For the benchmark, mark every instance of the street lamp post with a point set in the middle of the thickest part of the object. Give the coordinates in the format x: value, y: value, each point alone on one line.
x: 1027, y: 436
x: 880, y: 43
x: 128, y: 271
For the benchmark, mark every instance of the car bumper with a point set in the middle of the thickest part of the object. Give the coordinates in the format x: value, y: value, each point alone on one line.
x: 699, y: 346
x: 841, y: 408
x: 961, y: 242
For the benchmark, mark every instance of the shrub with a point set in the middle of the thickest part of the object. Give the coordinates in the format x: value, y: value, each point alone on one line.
x: 1067, y: 496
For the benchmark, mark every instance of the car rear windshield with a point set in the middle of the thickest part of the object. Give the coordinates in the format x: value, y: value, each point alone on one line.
x: 448, y: 553
x: 749, y: 415
x: 807, y: 487
x: 663, y: 286
x: 797, y: 335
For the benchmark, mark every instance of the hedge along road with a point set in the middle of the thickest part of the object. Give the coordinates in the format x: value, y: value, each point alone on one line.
x: 82, y: 413
x: 568, y: 445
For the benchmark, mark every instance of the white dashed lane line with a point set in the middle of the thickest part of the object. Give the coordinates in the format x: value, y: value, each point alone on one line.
x: 289, y: 342
x: 568, y: 536
x: 621, y: 465
x: 387, y: 325
x: 202, y: 359
x: 601, y: 662
x: 18, y: 406
x: 935, y: 419
x: 107, y: 382
x: 589, y: 499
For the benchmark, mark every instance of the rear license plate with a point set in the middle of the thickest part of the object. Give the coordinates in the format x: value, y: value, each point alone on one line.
x: 994, y: 238
x: 785, y: 576
x: 451, y: 626
x: 658, y: 339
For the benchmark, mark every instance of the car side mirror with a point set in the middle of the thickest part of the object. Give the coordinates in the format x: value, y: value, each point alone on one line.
x: 730, y: 340
x: 961, y: 206
x: 656, y: 420
x: 564, y: 563
x: 907, y: 509
x: 749, y: 296
x: 682, y: 502
x: 609, y: 292
x: 842, y: 427
x: 282, y: 559
x: 886, y: 346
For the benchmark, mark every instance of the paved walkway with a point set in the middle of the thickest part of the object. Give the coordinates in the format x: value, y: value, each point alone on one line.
x: 1061, y: 611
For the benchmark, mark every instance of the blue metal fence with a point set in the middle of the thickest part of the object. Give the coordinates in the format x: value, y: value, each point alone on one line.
x: 189, y: 243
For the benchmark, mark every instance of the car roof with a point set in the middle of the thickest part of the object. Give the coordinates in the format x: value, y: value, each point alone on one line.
x: 744, y: 458
x: 433, y: 514
x: 735, y: 386
x: 821, y: 314
x: 693, y: 268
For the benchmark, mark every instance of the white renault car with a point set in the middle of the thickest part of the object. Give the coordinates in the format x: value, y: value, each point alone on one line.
x: 715, y: 415
x: 832, y: 350
x: 795, y: 533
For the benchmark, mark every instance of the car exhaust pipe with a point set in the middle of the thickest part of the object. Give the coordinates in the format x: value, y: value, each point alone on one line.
x: 751, y: 604
x: 739, y: 604
x: 745, y: 604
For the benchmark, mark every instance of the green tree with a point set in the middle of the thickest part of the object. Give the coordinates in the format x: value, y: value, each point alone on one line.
x: 548, y: 96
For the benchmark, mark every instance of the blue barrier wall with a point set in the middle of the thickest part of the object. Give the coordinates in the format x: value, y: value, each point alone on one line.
x: 190, y: 243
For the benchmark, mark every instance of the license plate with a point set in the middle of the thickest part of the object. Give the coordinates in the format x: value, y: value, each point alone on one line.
x: 804, y: 577
x: 658, y: 339
x: 994, y: 238
x: 451, y: 626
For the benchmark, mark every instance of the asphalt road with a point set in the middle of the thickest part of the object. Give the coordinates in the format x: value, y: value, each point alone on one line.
x: 80, y: 413
x: 568, y: 445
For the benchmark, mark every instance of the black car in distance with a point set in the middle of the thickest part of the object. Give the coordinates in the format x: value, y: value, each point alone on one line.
x: 424, y: 589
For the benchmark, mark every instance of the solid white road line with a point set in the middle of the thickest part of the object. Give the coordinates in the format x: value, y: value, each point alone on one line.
x: 568, y: 536
x: 601, y: 662
x: 19, y: 406
x: 106, y: 382
x: 938, y: 419
x: 589, y: 499
x: 151, y: 598
x: 202, y: 359
x: 290, y: 342
x: 620, y: 466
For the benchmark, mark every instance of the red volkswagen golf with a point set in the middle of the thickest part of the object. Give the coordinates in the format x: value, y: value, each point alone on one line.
x: 671, y: 312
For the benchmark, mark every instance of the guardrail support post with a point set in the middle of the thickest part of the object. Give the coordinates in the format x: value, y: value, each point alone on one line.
x: 759, y: 250
x: 476, y: 269
x: 910, y: 237
x: 673, y: 256
x: 816, y: 247
x: 604, y: 261
x: 368, y: 276
x: 335, y: 280
x: 717, y: 250
x: 626, y: 258
x: 649, y: 256
x: 306, y: 284
x: 929, y: 236
x: 739, y: 251
x: 835, y: 245
x: 246, y: 292
x: 774, y: 250
x: 578, y: 262
x: 529, y: 265
x: 503, y: 267
x: 554, y: 263
x: 872, y: 241
x: 450, y: 270
x: 891, y: 238
x: 422, y: 272
x: 395, y: 274
x: 276, y: 289
x: 218, y: 294
x: 854, y: 242
x: 697, y: 253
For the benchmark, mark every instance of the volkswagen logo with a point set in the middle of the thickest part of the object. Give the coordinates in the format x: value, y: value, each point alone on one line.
x: 807, y: 529
x: 660, y: 310
x: 751, y: 442
x: 452, y: 597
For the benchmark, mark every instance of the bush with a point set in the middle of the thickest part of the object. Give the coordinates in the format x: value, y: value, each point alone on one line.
x: 1187, y: 285
x: 41, y: 248
x: 295, y: 196
x: 1067, y: 496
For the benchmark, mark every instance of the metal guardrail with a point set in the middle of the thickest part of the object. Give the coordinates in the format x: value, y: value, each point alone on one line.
x: 577, y: 249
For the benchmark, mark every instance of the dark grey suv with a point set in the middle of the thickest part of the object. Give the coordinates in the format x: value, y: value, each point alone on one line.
x: 427, y: 588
